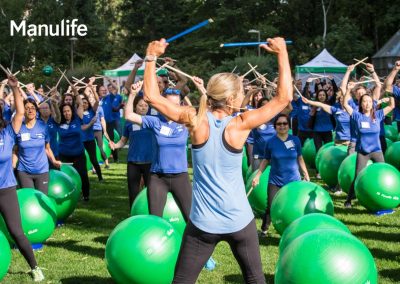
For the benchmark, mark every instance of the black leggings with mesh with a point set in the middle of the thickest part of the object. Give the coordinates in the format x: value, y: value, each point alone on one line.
x: 90, y: 147
x: 79, y: 163
x: 10, y: 211
x: 135, y: 173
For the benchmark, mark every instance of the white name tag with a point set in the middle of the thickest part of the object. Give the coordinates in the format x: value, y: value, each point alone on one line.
x: 365, y: 124
x: 135, y: 127
x: 165, y: 130
x: 1, y: 142
x: 85, y: 113
x: 100, y: 103
x: 64, y: 126
x: 304, y: 107
x: 339, y: 112
x: 289, y: 144
x: 262, y: 126
x: 25, y: 136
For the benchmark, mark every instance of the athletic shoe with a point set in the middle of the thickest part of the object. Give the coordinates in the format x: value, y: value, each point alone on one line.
x: 263, y: 234
x: 347, y: 204
x: 93, y: 171
x: 318, y: 176
x: 338, y: 192
x: 37, y: 274
x: 210, y: 264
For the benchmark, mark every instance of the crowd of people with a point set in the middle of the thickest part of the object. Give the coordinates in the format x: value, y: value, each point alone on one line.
x: 40, y: 131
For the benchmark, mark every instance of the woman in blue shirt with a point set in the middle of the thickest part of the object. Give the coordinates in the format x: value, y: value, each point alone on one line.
x: 367, y: 123
x: 9, y: 207
x: 50, y: 114
x: 99, y: 129
x: 283, y: 153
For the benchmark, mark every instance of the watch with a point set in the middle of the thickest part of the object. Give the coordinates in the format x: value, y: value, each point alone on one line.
x: 150, y: 58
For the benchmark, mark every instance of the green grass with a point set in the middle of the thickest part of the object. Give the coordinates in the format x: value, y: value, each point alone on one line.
x: 75, y: 252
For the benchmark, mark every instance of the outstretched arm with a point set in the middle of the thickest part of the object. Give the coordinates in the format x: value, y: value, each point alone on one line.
x: 130, y: 115
x: 19, y: 105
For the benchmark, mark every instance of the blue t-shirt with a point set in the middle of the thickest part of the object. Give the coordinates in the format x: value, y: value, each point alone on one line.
x: 70, y: 143
x: 107, y: 104
x: 100, y: 114
x: 295, y: 106
x: 303, y: 115
x: 142, y: 143
x: 342, y: 119
x: 170, y: 156
x: 261, y: 135
x: 250, y: 138
x: 323, y: 121
x: 53, y: 132
x: 353, y: 125
x: 396, y: 95
x: 283, y: 160
x: 368, y: 132
x: 7, y: 113
x: 88, y: 134
x: 7, y: 141
x: 40, y: 98
x: 115, y: 104
x: 31, y: 142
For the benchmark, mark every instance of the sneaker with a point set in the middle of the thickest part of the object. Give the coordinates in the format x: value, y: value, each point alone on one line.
x: 37, y: 274
x: 210, y: 264
x: 338, y: 192
x: 318, y: 176
x: 93, y: 171
x: 347, y: 204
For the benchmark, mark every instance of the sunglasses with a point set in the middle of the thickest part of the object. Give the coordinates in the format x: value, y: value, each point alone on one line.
x: 282, y: 123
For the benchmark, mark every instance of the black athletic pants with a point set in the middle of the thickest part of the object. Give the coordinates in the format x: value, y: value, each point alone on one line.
x: 303, y: 135
x: 321, y: 138
x: 79, y: 163
x: 272, y: 190
x: 135, y: 173
x: 295, y: 126
x: 90, y: 147
x: 37, y: 181
x: 110, y: 131
x: 197, y: 247
x: 98, y: 135
x: 10, y: 211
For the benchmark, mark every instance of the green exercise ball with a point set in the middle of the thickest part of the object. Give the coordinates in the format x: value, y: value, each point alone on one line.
x: 248, y: 173
x: 329, y: 164
x: 5, y: 256
x: 171, y: 213
x: 47, y: 70
x: 392, y: 155
x: 296, y: 199
x: 388, y: 143
x: 309, y: 222
x: 245, y: 166
x: 347, y: 171
x: 309, y: 153
x: 326, y: 256
x: 116, y: 136
x: 258, y: 196
x: 106, y: 147
x: 88, y: 163
x: 142, y: 249
x: 76, y: 179
x: 38, y: 216
x: 378, y: 187
x: 391, y: 132
x: 320, y: 151
x: 63, y: 192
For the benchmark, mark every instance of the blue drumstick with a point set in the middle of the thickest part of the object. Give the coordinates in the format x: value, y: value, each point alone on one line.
x: 196, y: 27
x: 234, y: 44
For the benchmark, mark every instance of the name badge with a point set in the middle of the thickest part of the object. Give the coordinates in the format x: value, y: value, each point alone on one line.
x: 39, y: 135
x: 1, y: 142
x: 319, y: 109
x: 135, y: 127
x: 339, y: 112
x: 304, y: 107
x: 289, y: 144
x: 100, y: 103
x: 64, y: 126
x: 25, y: 136
x: 166, y: 131
x: 153, y: 111
x: 85, y: 113
x: 262, y: 127
x: 365, y: 124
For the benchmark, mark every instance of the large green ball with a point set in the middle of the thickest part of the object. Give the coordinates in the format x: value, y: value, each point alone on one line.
x: 391, y: 132
x: 296, y: 199
x: 143, y: 249
x: 258, y: 197
x: 347, y: 172
x: 329, y: 164
x: 326, y: 256
x: 388, y: 143
x: 63, y: 192
x: 320, y: 151
x: 309, y: 222
x: 171, y: 213
x: 88, y: 163
x: 38, y: 216
x: 248, y: 173
x: 116, y: 136
x: 106, y: 149
x: 5, y: 256
x: 378, y: 187
x: 47, y: 70
x: 245, y: 166
x: 76, y: 179
x: 309, y: 153
x: 392, y: 155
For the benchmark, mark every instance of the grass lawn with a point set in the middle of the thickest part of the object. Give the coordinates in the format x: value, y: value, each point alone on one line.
x: 75, y: 251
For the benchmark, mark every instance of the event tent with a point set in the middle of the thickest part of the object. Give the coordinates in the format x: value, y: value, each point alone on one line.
x: 385, y: 58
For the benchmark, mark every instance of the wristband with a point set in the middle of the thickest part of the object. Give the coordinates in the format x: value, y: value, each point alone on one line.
x: 150, y: 58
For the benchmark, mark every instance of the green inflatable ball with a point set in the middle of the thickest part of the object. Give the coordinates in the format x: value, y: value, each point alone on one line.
x: 38, y: 216
x: 106, y: 147
x: 89, y: 165
x: 392, y: 155
x: 309, y: 222
x: 5, y: 256
x: 326, y: 256
x: 329, y: 164
x: 47, y: 70
x: 377, y: 187
x: 116, y: 136
x: 248, y: 173
x: 142, y: 249
x: 388, y: 143
x: 347, y: 172
x: 63, y: 192
x: 320, y: 151
x: 309, y: 153
x: 245, y: 166
x: 76, y: 179
x: 391, y: 132
x: 296, y: 199
x: 258, y: 196
x: 171, y: 213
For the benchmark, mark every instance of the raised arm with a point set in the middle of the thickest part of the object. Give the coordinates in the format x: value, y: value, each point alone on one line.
x: 78, y: 102
x: 378, y: 85
x: 92, y: 90
x: 130, y: 115
x: 132, y: 75
x: 19, y: 105
x: 104, y: 126
x: 389, y: 107
x: 347, y: 98
x: 346, y: 77
x: 388, y: 84
x: 55, y: 110
x: 325, y: 107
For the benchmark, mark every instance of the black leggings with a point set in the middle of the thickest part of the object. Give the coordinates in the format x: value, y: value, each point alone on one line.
x: 272, y: 190
x: 10, y: 211
x: 382, y: 139
x: 110, y: 131
x: 98, y: 135
x: 135, y: 173
x: 321, y: 138
x: 79, y: 163
x: 303, y: 135
x: 90, y: 147
x: 294, y: 126
x: 197, y: 247
x: 38, y: 181
x: 249, y: 152
x: 361, y: 163
x: 177, y: 184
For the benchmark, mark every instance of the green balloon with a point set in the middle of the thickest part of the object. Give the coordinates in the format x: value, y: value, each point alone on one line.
x: 47, y: 70
x: 38, y: 216
x: 391, y: 132
x: 326, y: 256
x: 75, y: 177
x: 171, y: 213
x: 116, y: 136
x: 245, y: 166
x: 63, y: 192
x: 5, y: 256
x: 329, y: 164
x: 347, y: 172
x: 377, y: 187
x: 309, y: 153
x: 309, y: 222
x: 392, y: 156
x: 258, y: 196
x: 320, y: 151
x: 296, y: 199
x: 88, y: 163
x: 142, y: 249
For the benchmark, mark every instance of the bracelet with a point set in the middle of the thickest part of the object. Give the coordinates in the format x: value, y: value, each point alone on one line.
x: 150, y: 58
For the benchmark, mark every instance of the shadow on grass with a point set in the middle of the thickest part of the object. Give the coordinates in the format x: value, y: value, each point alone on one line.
x: 378, y: 235
x: 392, y: 274
x: 350, y: 211
x: 73, y: 245
x: 101, y: 239
x: 86, y: 279
x: 384, y: 254
x: 238, y: 278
